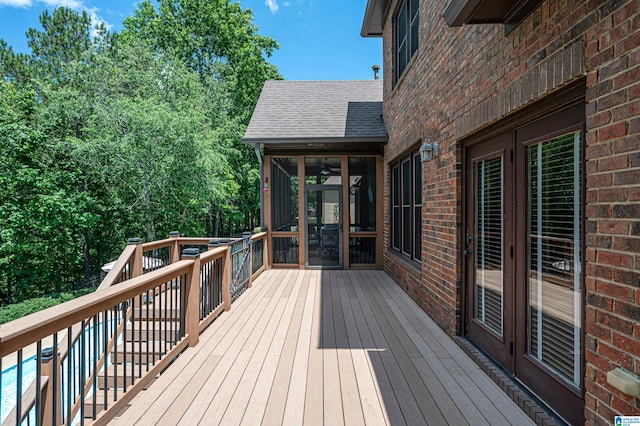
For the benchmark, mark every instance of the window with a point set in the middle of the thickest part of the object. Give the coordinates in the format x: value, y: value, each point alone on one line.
x: 406, y: 35
x: 406, y: 206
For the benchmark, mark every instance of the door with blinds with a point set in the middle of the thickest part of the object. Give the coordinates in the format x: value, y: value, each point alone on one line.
x: 524, y: 255
x: 487, y: 232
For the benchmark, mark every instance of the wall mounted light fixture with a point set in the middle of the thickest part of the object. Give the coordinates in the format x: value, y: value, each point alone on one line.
x: 429, y: 150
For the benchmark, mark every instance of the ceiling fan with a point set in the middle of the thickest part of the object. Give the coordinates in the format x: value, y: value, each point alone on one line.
x: 326, y: 170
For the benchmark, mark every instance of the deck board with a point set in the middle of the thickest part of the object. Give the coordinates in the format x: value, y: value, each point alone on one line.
x: 319, y: 347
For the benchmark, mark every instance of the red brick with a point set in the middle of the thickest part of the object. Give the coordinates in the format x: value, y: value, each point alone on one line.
x: 613, y: 226
x: 624, y: 407
x: 627, y: 310
x: 615, y: 291
x: 616, y: 355
x: 627, y: 78
x: 611, y: 100
x: 598, y: 332
x: 598, y: 361
x: 631, y: 109
x: 613, y: 131
x: 630, y: 177
x: 626, y: 244
x: 626, y: 343
x: 608, y: 195
x: 615, y: 322
x: 455, y: 71
x: 599, y: 180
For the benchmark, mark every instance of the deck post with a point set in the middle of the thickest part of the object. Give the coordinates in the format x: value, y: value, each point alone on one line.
x: 227, y: 270
x: 192, y: 316
x: 48, y: 403
x: 137, y: 267
x: 175, y: 246
x: 247, y: 235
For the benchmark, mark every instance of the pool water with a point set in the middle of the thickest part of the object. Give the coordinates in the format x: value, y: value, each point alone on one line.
x: 10, y: 384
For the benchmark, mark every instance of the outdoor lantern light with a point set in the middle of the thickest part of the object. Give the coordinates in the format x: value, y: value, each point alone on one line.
x: 428, y: 151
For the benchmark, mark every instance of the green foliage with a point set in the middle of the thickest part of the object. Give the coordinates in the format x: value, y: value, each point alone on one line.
x: 108, y: 136
x: 21, y: 309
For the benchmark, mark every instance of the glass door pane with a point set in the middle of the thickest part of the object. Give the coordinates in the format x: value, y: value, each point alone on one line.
x: 324, y: 227
x: 554, y: 275
x: 488, y: 253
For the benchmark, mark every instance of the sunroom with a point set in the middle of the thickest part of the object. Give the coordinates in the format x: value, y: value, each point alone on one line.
x: 320, y: 145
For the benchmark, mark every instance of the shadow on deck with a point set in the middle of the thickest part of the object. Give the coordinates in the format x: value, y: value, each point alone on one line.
x: 318, y: 347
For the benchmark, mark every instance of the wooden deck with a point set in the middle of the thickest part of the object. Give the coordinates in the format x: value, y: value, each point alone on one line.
x: 318, y: 347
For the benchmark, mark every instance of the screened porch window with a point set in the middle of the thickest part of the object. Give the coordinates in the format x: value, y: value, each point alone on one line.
x: 284, y: 204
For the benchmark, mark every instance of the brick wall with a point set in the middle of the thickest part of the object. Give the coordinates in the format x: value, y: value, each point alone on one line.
x: 464, y: 79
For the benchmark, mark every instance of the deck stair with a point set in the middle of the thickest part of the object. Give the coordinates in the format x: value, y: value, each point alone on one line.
x: 146, y: 338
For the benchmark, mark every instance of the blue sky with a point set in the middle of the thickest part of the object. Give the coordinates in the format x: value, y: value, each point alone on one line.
x: 319, y: 39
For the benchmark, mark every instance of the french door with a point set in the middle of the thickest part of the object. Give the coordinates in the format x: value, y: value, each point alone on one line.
x: 488, y: 233
x: 323, y: 218
x: 524, y: 255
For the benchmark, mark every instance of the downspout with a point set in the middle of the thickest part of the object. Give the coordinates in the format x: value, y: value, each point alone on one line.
x: 257, y: 150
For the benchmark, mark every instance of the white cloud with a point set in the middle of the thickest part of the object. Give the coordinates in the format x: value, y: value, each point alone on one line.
x: 271, y: 4
x: 16, y: 3
x: 71, y: 4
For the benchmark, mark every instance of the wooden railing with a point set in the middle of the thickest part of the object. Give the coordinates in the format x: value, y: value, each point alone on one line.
x: 91, y: 355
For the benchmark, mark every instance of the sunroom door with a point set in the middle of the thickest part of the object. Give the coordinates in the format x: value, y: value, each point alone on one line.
x: 323, y: 207
x: 488, y: 248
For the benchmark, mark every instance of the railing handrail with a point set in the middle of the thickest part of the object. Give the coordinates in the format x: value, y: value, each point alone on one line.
x: 132, y: 280
x: 24, y: 331
x: 117, y: 268
x: 258, y: 236
x: 211, y: 255
x: 152, y: 245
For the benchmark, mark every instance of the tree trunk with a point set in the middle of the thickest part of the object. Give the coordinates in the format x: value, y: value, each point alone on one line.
x: 151, y: 232
x: 86, y: 259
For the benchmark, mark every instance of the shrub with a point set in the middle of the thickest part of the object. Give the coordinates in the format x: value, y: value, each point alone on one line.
x: 21, y: 309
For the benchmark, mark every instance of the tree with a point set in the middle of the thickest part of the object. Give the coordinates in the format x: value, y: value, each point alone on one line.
x: 42, y: 216
x: 217, y: 40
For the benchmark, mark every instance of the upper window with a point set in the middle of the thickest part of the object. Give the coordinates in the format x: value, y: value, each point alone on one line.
x: 406, y: 206
x: 406, y: 35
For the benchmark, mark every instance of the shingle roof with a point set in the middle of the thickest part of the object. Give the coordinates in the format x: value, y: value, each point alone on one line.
x: 294, y: 111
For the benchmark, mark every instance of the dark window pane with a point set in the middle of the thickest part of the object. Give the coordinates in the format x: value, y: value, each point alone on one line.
x: 415, y: 25
x: 414, y: 8
x: 402, y: 59
x: 285, y: 250
x: 417, y: 191
x: 362, y: 194
x: 284, y: 194
x: 362, y: 250
x: 401, y: 23
x: 417, y: 234
x: 395, y: 189
x: 406, y: 183
x: 395, y: 237
x: 406, y: 230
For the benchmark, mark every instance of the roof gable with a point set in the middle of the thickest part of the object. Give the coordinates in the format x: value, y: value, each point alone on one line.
x: 295, y: 111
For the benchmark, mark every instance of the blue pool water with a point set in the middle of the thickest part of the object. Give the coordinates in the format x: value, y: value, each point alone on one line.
x: 10, y: 383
